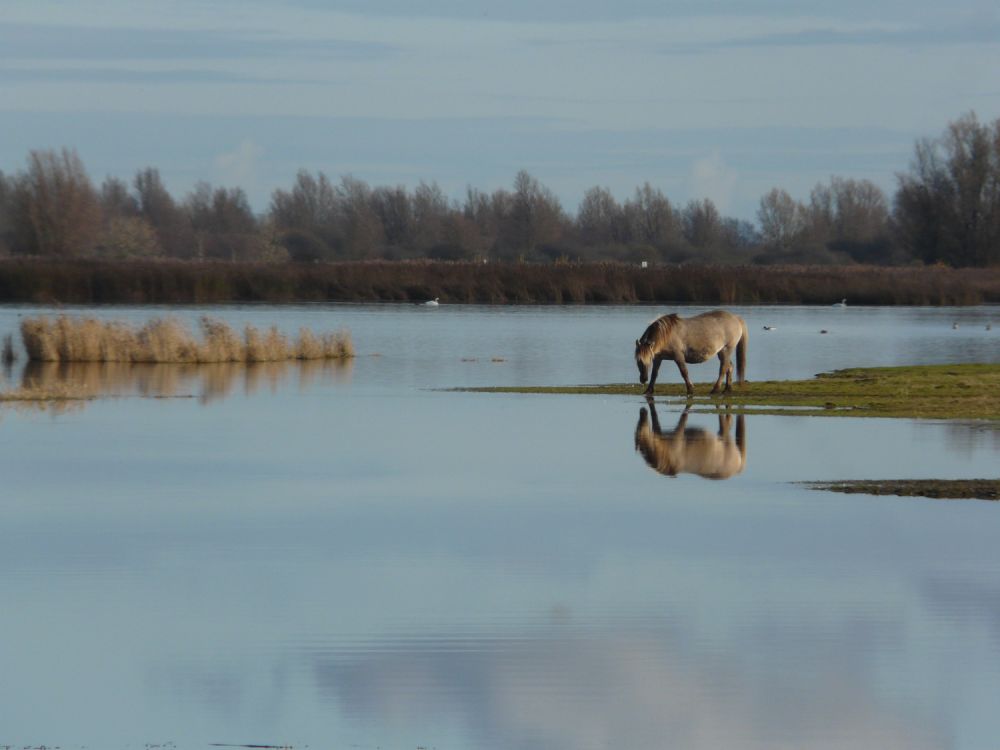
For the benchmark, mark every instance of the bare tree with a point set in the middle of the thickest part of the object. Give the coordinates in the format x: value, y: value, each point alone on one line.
x: 57, y: 209
x: 394, y: 210
x: 702, y: 224
x: 358, y: 223
x: 600, y: 220
x: 651, y: 218
x: 6, y: 209
x: 117, y: 200
x: 430, y: 215
x: 535, y: 217
x: 947, y: 208
x: 157, y: 207
x: 780, y: 219
x: 306, y: 218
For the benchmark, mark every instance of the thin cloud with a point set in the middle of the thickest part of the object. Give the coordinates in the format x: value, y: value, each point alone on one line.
x: 43, y: 42
x: 980, y: 33
x: 143, y: 77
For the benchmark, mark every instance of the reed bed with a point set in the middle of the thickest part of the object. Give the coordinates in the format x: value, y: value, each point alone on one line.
x: 167, y: 282
x: 168, y: 341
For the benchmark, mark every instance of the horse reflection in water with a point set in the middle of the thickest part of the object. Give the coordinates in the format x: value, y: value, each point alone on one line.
x: 692, y: 450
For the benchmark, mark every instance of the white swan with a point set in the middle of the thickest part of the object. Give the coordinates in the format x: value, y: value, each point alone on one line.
x: 842, y: 303
x: 432, y: 302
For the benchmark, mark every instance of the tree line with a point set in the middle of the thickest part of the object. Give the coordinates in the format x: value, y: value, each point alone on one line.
x: 946, y: 209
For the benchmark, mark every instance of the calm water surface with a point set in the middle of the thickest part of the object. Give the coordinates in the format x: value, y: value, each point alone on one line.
x: 346, y: 557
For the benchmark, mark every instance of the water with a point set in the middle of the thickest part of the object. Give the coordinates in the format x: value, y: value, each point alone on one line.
x: 349, y: 557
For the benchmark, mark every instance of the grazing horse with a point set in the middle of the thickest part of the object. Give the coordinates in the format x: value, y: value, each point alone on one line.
x: 692, y: 450
x: 693, y: 340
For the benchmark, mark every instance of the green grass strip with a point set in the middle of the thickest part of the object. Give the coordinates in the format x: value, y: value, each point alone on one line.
x: 966, y: 391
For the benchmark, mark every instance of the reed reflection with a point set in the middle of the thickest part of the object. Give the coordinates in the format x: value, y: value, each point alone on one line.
x: 691, y: 450
x: 208, y: 382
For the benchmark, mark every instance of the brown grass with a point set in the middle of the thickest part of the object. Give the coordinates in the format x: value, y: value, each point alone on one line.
x: 66, y: 339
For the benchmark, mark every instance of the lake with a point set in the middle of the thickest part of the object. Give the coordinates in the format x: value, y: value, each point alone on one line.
x: 352, y: 556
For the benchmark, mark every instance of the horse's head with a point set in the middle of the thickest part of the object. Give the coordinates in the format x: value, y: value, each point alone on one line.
x: 643, y: 360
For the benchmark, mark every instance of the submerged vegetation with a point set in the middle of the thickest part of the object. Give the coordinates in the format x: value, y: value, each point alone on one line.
x: 966, y: 391
x: 166, y: 340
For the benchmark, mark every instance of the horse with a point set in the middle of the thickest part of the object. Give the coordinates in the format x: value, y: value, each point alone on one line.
x: 692, y: 450
x: 693, y: 340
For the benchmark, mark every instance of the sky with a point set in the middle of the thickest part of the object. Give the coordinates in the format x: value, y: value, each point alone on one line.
x: 708, y: 98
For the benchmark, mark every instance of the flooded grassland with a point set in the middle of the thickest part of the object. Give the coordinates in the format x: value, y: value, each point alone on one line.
x: 346, y: 554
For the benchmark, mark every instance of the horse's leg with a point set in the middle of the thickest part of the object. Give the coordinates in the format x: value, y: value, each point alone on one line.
x: 729, y: 371
x: 653, y: 372
x: 723, y: 369
x: 682, y: 366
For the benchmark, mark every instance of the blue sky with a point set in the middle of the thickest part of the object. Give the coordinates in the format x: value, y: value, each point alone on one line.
x: 702, y: 99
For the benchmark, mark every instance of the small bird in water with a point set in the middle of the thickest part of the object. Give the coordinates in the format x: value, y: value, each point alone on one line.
x: 842, y: 303
x: 954, y: 326
x: 823, y: 330
x: 432, y: 302
x: 769, y: 328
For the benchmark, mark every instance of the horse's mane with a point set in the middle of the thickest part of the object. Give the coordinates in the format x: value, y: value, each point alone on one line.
x: 658, y: 331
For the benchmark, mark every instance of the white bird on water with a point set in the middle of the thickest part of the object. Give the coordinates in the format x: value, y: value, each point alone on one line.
x: 432, y: 302
x: 768, y: 328
x: 842, y: 303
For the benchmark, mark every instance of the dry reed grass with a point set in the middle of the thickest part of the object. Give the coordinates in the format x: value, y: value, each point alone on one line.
x: 169, y: 282
x: 66, y: 339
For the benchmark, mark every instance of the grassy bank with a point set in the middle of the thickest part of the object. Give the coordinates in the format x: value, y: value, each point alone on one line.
x: 979, y: 489
x: 179, y: 282
x: 925, y: 391
x: 66, y: 339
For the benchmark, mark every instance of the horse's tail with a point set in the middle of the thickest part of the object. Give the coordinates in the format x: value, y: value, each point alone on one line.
x: 741, y: 353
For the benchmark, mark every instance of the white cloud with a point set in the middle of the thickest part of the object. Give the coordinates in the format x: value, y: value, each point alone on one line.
x: 712, y: 178
x: 238, y: 168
